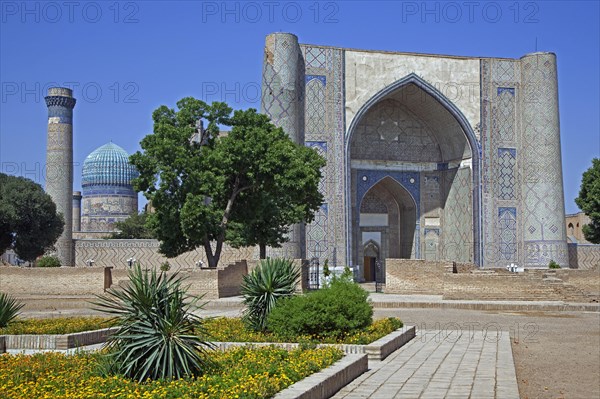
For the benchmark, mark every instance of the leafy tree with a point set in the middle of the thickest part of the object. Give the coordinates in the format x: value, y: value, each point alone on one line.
x: 214, y: 189
x: 171, y: 173
x: 589, y: 201
x: 29, y: 223
x: 292, y: 196
x: 133, y: 227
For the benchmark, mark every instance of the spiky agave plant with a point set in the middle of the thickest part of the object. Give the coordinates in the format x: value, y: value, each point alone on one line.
x: 9, y: 309
x: 272, y: 280
x: 158, y: 336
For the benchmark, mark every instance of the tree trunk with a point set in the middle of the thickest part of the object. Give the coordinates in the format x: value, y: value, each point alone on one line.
x: 213, y: 259
x: 263, y: 250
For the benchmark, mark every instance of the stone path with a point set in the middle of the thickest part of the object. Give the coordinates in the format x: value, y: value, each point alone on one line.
x: 442, y: 364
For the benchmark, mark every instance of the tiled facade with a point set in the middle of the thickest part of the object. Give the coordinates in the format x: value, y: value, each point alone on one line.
x: 484, y: 172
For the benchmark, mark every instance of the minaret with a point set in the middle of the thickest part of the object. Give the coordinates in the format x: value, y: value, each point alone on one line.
x: 59, y: 165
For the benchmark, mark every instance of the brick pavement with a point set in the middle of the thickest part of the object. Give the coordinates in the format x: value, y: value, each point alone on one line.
x: 442, y: 364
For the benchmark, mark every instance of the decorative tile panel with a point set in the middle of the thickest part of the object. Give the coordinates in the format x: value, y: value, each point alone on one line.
x: 506, y: 174
x: 317, y: 243
x: 507, y: 233
x: 315, y: 106
x: 503, y: 121
x: 324, y: 115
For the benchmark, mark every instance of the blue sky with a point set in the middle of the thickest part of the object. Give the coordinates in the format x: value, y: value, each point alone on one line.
x: 124, y: 59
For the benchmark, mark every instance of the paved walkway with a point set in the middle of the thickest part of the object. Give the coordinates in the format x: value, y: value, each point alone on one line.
x: 442, y: 364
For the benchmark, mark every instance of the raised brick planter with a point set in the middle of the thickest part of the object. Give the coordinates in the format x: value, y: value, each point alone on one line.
x: 377, y: 350
x: 54, y: 341
x: 327, y: 382
x: 384, y: 346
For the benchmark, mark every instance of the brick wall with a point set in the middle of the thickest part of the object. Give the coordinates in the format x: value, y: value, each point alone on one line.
x: 114, y: 253
x: 415, y: 276
x: 230, y: 279
x: 52, y: 281
x: 584, y: 256
x: 500, y: 285
x: 89, y: 281
x: 404, y: 276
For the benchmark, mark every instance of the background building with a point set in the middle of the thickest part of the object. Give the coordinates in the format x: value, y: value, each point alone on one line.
x: 108, y: 195
x: 575, y: 223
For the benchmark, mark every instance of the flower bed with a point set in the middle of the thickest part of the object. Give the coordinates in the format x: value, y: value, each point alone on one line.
x: 225, y: 329
x: 59, y: 325
x: 239, y: 373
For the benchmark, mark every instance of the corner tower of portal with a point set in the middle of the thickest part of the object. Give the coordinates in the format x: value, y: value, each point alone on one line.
x: 283, y: 101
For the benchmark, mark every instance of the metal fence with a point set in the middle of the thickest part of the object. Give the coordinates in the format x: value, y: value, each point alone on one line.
x: 379, y: 276
x: 313, y: 282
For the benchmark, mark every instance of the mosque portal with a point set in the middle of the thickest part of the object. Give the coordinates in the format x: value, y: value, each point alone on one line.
x: 411, y: 184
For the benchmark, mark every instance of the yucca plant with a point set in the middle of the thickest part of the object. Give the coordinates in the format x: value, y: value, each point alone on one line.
x: 272, y: 280
x: 9, y: 309
x: 158, y: 335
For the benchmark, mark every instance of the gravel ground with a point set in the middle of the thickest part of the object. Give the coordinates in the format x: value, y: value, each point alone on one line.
x: 557, y: 355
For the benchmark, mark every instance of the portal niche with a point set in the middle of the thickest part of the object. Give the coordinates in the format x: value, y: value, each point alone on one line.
x: 387, y: 219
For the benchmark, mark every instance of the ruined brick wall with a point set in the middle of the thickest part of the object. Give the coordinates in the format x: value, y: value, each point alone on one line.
x: 230, y: 279
x: 415, y: 276
x: 407, y: 277
x: 499, y: 285
x: 89, y: 281
x: 52, y: 281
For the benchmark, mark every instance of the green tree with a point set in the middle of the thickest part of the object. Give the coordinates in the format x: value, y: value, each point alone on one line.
x: 201, y: 188
x: 290, y: 196
x: 589, y: 201
x: 170, y: 168
x: 133, y: 227
x: 29, y: 223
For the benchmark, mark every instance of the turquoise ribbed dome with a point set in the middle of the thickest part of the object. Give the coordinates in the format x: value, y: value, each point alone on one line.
x: 108, y: 166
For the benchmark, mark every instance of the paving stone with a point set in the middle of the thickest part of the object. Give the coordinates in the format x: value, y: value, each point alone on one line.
x: 434, y: 365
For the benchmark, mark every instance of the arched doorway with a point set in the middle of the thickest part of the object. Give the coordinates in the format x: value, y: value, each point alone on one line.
x: 371, y: 255
x: 387, y: 218
x: 411, y: 139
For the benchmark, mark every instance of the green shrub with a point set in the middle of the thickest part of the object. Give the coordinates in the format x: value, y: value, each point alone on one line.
x: 48, y: 261
x: 332, y: 312
x: 553, y: 265
x: 165, y: 266
x: 271, y: 281
x: 156, y: 336
x: 9, y: 309
x: 326, y: 271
